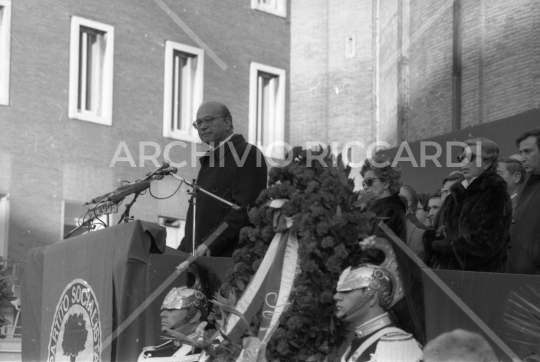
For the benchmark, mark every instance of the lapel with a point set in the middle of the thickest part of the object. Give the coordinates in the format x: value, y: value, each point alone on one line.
x: 521, y: 188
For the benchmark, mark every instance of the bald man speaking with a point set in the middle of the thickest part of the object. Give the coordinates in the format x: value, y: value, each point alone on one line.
x: 233, y: 170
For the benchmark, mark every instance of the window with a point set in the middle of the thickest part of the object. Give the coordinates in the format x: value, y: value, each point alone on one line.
x: 184, y: 69
x: 91, y: 71
x: 267, y: 109
x: 5, y: 50
x: 276, y: 7
x: 175, y: 230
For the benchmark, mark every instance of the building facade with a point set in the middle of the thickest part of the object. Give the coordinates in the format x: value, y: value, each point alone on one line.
x: 407, y: 70
x: 93, y: 93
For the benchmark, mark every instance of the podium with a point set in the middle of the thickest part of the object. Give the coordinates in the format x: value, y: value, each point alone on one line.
x: 75, y: 293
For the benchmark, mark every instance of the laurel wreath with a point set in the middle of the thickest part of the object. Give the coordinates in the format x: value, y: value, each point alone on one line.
x: 321, y: 203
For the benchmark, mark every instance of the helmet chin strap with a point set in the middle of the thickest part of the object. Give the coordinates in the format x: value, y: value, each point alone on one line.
x: 362, y: 301
x: 189, y: 316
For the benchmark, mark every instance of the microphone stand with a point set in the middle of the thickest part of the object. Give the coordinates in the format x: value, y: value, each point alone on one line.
x: 125, y: 214
x: 84, y: 224
x: 194, y: 201
x: 194, y: 185
x: 197, y: 188
x: 96, y: 214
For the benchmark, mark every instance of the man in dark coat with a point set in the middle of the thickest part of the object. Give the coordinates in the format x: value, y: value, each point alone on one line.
x: 513, y: 172
x: 233, y: 170
x: 445, y: 227
x: 524, y: 253
x: 474, y: 232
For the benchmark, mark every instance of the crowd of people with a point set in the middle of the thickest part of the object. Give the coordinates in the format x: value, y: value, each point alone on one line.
x: 483, y: 217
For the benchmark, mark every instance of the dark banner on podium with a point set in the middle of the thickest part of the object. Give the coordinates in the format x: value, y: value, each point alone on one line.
x: 506, y: 303
x: 77, y: 292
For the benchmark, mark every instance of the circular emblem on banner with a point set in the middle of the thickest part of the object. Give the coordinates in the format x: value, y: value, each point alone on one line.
x: 76, y: 328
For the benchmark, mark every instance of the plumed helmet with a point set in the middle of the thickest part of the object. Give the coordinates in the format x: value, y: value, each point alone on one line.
x: 368, y: 276
x: 186, y: 298
x: 383, y: 279
x: 357, y: 278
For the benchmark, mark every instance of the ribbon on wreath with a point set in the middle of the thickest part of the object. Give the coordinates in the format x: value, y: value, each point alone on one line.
x: 271, y: 285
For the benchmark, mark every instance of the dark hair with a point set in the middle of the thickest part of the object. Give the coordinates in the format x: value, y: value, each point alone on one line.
x: 414, y: 197
x: 423, y: 199
x: 406, y: 204
x: 386, y: 173
x: 535, y: 132
x: 514, y: 166
x: 435, y: 195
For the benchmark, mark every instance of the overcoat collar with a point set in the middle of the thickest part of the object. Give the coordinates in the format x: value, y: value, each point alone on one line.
x: 220, y: 152
x: 530, y: 179
x: 393, y: 201
x: 486, y: 179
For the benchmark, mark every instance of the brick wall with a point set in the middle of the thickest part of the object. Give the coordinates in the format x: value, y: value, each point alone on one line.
x: 430, y: 62
x: 508, y: 58
x: 331, y: 94
x: 309, y: 76
x: 500, y: 63
x: 500, y: 66
x: 388, y: 58
x: 47, y: 158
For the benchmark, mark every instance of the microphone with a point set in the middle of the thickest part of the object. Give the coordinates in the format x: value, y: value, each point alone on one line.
x: 139, y: 186
x: 163, y: 165
x: 97, y: 199
x: 167, y: 171
x: 127, y: 190
x: 103, y: 197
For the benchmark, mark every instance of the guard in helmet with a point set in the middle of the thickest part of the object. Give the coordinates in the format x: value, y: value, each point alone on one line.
x: 182, y: 311
x: 365, y: 294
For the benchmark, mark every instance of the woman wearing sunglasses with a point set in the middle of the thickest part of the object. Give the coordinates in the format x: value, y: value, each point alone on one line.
x: 382, y: 182
x: 473, y: 232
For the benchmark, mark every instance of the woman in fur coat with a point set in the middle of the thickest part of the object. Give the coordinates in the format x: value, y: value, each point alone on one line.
x: 474, y: 229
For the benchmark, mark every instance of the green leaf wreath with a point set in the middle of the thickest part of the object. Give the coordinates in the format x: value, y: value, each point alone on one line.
x: 321, y: 204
